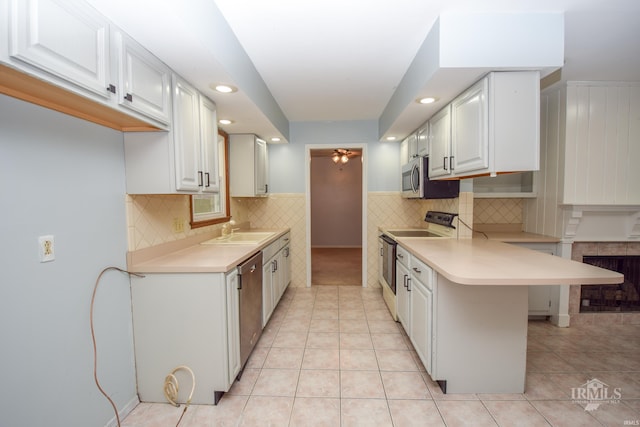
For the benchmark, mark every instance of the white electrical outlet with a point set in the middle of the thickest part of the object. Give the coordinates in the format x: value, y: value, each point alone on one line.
x: 45, y: 246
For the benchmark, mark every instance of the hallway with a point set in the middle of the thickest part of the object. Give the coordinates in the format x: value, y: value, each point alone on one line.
x: 336, y: 266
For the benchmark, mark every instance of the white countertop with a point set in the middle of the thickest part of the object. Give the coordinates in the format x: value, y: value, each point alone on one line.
x: 189, y: 256
x: 489, y: 262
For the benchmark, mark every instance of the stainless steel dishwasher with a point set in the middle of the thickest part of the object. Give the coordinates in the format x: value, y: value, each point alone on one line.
x: 250, y: 296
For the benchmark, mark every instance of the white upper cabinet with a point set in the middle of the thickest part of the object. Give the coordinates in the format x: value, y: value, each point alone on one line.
x: 249, y: 166
x: 183, y: 160
x: 66, y: 39
x: 209, y: 146
x: 144, y: 81
x: 422, y: 140
x: 440, y: 143
x: 186, y: 136
x: 494, y: 127
x: 195, y: 136
x: 469, y: 130
x: 74, y: 60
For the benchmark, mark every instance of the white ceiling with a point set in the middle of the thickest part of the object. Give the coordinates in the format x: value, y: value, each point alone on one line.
x: 334, y: 60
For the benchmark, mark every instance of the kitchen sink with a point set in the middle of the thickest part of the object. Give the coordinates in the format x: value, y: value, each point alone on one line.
x: 241, y: 238
x: 413, y: 233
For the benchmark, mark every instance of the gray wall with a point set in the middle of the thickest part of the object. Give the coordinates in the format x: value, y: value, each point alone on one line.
x: 61, y: 176
x: 287, y: 161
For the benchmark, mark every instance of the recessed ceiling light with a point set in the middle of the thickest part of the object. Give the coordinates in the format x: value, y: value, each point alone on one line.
x: 223, y: 88
x: 225, y: 121
x: 275, y: 139
x: 391, y: 138
x: 427, y: 100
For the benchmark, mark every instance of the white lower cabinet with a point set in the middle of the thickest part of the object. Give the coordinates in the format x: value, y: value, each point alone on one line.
x: 470, y: 338
x: 187, y: 319
x: 421, y: 312
x: 402, y: 288
x: 414, y: 293
x: 276, y: 274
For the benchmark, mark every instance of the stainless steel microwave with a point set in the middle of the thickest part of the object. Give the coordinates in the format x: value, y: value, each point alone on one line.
x: 417, y: 185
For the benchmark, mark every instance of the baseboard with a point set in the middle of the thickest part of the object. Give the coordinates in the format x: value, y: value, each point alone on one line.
x: 122, y: 413
x: 561, y: 320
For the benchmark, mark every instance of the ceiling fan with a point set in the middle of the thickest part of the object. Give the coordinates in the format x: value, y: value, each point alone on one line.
x: 341, y: 155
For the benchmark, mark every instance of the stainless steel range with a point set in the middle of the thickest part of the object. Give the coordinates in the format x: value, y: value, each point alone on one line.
x: 440, y: 225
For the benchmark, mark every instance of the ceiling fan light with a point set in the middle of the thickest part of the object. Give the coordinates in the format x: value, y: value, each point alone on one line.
x: 335, y: 157
x: 344, y: 158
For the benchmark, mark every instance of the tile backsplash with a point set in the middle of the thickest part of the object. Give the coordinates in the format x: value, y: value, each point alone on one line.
x: 151, y: 219
x: 497, y: 211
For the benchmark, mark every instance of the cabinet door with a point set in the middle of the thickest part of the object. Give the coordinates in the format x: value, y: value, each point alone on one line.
x: 261, y: 165
x: 145, y: 82
x: 209, y: 146
x: 470, y: 130
x: 68, y: 40
x: 267, y: 291
x: 440, y: 143
x: 404, y: 151
x: 286, y: 268
x: 186, y: 134
x: 402, y: 296
x: 412, y: 145
x: 233, y: 319
x: 421, y: 312
x: 423, y: 140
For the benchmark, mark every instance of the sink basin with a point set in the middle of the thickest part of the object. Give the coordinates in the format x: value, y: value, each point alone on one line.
x: 413, y: 233
x: 241, y: 238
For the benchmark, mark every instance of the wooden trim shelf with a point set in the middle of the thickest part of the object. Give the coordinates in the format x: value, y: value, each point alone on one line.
x: 30, y: 89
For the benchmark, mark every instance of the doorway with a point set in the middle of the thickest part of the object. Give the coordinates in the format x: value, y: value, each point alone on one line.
x: 336, y: 237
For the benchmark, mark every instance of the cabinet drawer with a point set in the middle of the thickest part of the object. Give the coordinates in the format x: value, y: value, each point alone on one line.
x: 402, y: 256
x: 284, y: 240
x: 422, y: 272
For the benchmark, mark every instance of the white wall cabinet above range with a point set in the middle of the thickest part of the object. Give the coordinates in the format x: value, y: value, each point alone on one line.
x: 248, y: 166
x: 183, y: 160
x: 72, y: 47
x: 490, y: 128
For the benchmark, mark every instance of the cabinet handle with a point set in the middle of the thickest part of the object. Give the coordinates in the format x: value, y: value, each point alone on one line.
x: 404, y: 281
x: 276, y: 261
x: 444, y: 163
x: 451, y: 163
x: 206, y: 174
x: 199, y: 178
x: 129, y: 97
x: 111, y: 88
x: 416, y: 270
x: 400, y: 256
x: 408, y: 287
x: 266, y: 188
x: 380, y: 251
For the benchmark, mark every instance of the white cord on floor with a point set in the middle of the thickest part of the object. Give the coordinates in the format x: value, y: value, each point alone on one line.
x: 171, y: 387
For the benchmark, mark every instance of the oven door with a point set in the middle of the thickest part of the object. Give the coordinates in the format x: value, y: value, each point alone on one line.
x: 389, y: 262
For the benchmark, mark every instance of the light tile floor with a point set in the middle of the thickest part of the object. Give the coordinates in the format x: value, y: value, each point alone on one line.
x: 333, y: 356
